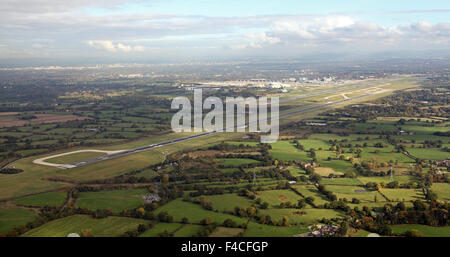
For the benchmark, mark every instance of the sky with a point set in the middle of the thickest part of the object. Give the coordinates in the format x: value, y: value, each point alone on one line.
x: 102, y: 31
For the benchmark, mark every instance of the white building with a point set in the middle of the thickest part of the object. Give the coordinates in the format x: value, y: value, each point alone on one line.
x: 278, y: 85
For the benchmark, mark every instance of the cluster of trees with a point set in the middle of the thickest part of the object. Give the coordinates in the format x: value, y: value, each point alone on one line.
x: 396, y: 184
x: 206, y: 204
x: 245, y: 212
x: 165, y: 217
x: 141, y: 228
x: 267, y: 220
x: 229, y: 147
x: 46, y: 214
x: 206, y: 230
x: 330, y: 195
x: 208, y: 191
x: 432, y: 214
x: 10, y: 171
x: 366, y: 169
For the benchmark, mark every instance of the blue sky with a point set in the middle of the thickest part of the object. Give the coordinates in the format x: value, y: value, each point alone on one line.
x: 190, y: 29
x: 387, y: 12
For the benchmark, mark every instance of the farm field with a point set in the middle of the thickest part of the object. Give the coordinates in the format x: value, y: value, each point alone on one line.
x: 325, y: 172
x: 110, y: 226
x: 343, y: 181
x: 360, y: 193
x: 54, y: 199
x: 402, y: 194
x: 284, y: 151
x: 227, y: 202
x: 313, y: 144
x: 260, y: 230
x: 160, y: 228
x: 194, y: 212
x: 387, y: 179
x: 11, y: 218
x: 116, y: 200
x: 311, y: 191
x: 188, y: 230
x: 427, y: 231
x: 360, y: 233
x: 234, y: 161
x: 226, y: 232
x: 275, y: 197
x: 301, y: 216
x: 429, y: 153
x: 295, y: 171
x: 442, y: 190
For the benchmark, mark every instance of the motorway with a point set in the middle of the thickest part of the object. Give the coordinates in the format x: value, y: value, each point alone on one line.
x: 174, y: 141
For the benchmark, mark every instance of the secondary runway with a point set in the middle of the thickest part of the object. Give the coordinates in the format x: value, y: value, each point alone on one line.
x: 174, y: 141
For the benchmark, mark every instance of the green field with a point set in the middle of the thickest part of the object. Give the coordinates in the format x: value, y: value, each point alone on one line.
x: 226, y: 232
x: 188, y: 230
x: 285, y: 151
x: 429, y: 153
x: 297, y: 215
x: 44, y: 199
x: 275, y: 197
x: 296, y: 171
x: 342, y: 181
x: 260, y: 230
x: 427, y: 231
x: 227, y: 202
x: 403, y: 194
x: 110, y: 226
x: 234, y: 162
x: 350, y: 192
x: 360, y: 233
x: 387, y: 179
x: 194, y: 212
x: 159, y: 228
x: 311, y: 191
x: 14, y: 217
x: 314, y: 144
x: 117, y: 200
x: 442, y: 190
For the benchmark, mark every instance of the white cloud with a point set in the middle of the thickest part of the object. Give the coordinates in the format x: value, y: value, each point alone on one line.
x: 261, y: 39
x: 111, y: 47
x: 334, y: 31
x: 69, y: 29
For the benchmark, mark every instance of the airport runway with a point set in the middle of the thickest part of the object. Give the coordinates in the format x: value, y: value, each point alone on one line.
x: 174, y: 141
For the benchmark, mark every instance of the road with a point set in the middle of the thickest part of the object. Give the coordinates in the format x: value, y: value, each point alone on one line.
x: 174, y: 141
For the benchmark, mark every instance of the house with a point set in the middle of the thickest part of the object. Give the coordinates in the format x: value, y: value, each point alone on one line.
x: 315, y: 124
x: 307, y: 164
x: 323, y: 230
x: 151, y: 198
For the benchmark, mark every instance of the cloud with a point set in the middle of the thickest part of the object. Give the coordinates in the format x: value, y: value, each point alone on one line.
x: 52, y: 6
x: 339, y: 30
x: 74, y: 29
x: 422, y: 11
x: 111, y: 47
x: 262, y: 39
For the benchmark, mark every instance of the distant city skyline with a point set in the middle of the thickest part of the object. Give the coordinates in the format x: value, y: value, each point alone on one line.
x: 135, y: 30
